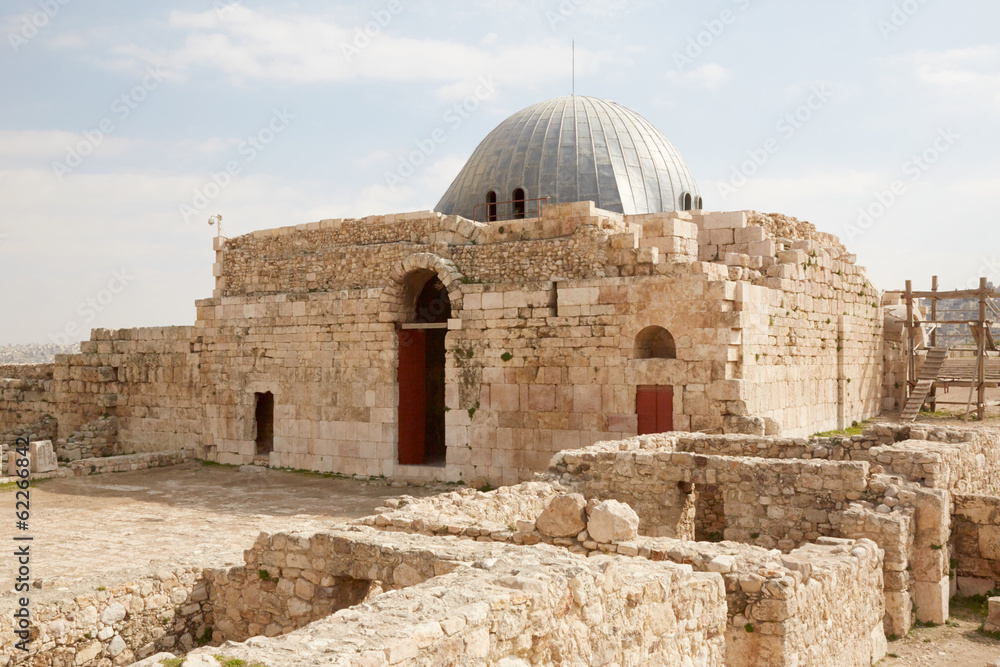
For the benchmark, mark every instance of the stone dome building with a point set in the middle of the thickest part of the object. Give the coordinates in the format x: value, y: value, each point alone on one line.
x: 570, y: 149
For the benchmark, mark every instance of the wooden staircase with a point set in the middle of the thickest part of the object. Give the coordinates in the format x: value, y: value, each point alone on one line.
x: 928, y: 374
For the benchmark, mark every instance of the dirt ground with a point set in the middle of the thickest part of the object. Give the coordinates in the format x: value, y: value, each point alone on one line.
x: 957, y: 643
x: 110, y: 527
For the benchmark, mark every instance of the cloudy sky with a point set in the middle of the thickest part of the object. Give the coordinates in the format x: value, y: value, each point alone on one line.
x: 125, y: 125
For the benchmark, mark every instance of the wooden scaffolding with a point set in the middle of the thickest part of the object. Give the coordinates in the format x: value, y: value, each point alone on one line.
x: 943, y: 366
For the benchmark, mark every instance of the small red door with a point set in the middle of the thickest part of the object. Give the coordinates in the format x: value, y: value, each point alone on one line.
x: 412, y: 396
x: 654, y: 407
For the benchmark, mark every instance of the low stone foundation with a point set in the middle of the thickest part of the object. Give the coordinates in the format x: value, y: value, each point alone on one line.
x: 463, y: 602
x: 101, y: 625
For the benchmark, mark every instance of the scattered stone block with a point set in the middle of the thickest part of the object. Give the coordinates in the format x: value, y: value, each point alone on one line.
x: 612, y: 521
x: 564, y: 516
x: 992, y: 623
x: 43, y: 456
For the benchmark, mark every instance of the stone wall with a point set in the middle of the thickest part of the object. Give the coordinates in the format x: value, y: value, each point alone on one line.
x: 784, y: 503
x: 482, y: 603
x: 147, y: 378
x: 97, y: 625
x: 810, y: 321
x: 975, y: 542
x: 25, y: 402
x: 26, y: 371
x: 776, y: 604
x: 771, y: 334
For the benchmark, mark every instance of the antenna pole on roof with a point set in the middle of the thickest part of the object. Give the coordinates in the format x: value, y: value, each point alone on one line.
x: 574, y: 68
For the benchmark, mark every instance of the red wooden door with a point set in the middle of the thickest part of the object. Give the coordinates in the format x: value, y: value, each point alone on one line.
x: 412, y: 396
x: 654, y: 406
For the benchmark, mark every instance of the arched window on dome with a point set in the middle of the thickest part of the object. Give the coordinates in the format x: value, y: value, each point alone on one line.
x: 655, y: 343
x: 686, y: 201
x: 518, y: 200
x: 491, y: 210
x: 700, y: 205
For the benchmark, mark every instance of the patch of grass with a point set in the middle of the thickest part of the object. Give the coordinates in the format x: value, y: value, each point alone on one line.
x: 506, y: 356
x: 854, y: 429
x: 892, y: 655
x: 205, y: 636
x: 265, y: 575
x: 977, y: 605
x: 102, y: 588
x: 172, y: 662
x: 748, y: 627
x: 925, y: 624
x: 236, y: 662
x: 8, y: 486
x: 216, y: 464
x: 486, y: 488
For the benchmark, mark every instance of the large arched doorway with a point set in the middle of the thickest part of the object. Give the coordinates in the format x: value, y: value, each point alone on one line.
x: 421, y: 372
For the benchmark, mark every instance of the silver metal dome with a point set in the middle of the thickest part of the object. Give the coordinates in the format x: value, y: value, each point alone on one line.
x: 575, y: 148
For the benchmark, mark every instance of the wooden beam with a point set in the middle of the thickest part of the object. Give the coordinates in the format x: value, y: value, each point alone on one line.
x: 956, y: 294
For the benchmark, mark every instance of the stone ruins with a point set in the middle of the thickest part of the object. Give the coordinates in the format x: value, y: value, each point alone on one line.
x: 640, y: 377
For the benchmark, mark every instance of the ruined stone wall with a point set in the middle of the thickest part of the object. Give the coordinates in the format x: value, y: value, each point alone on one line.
x: 97, y: 625
x: 975, y: 542
x: 147, y: 378
x: 26, y: 371
x: 785, y: 503
x: 352, y: 254
x: 26, y: 399
x: 776, y: 604
x: 526, y: 605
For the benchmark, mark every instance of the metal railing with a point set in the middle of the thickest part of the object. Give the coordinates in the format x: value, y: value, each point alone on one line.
x: 516, y: 209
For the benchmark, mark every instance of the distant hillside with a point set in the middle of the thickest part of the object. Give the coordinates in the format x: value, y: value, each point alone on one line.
x: 34, y: 353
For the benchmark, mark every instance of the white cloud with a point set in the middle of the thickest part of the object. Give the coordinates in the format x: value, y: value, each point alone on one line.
x: 967, y: 74
x: 710, y: 76
x: 31, y: 147
x: 257, y: 45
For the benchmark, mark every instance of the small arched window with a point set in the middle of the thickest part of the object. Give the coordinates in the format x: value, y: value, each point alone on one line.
x: 518, y: 203
x: 700, y: 204
x: 655, y: 343
x: 686, y: 201
x: 491, y: 210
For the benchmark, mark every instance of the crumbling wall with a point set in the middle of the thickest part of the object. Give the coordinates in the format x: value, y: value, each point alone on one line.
x: 777, y: 605
x: 975, y: 542
x: 482, y: 603
x: 786, y: 503
x: 96, y: 625
x: 26, y: 401
x: 147, y: 378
